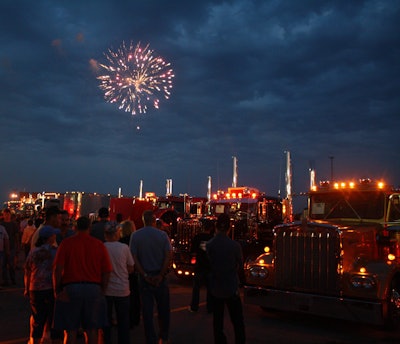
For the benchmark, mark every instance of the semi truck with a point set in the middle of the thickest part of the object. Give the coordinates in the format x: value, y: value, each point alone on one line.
x: 253, y: 216
x: 342, y: 260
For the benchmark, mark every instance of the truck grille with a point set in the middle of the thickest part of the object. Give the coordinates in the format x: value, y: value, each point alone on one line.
x: 307, y: 258
x: 186, y: 230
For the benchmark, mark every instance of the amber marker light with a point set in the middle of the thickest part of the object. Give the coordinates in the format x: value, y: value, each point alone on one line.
x: 266, y: 249
x: 391, y: 257
x: 381, y: 185
x: 363, y: 270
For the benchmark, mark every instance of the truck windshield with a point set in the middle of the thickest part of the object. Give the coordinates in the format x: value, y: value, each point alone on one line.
x: 347, y: 205
x: 394, y: 208
x: 232, y: 207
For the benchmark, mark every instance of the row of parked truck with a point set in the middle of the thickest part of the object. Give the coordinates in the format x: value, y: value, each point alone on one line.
x: 340, y: 259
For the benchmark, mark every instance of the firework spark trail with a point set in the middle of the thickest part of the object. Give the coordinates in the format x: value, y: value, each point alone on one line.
x: 134, y: 78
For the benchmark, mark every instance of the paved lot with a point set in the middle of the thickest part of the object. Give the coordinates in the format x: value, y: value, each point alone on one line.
x: 196, y: 328
x: 14, y: 315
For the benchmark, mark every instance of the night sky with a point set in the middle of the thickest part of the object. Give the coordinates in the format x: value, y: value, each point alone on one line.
x: 253, y: 79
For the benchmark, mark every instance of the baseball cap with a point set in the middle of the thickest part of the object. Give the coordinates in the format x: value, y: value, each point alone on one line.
x: 48, y: 231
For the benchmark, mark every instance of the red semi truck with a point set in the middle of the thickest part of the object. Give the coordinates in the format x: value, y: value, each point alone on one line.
x: 342, y: 260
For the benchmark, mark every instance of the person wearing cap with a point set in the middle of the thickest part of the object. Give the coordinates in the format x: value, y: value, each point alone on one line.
x: 117, y: 291
x: 52, y: 218
x: 81, y: 271
x: 226, y: 263
x: 97, y: 229
x: 39, y: 285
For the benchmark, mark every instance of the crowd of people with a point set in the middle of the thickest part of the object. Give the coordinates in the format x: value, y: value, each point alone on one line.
x: 86, y: 278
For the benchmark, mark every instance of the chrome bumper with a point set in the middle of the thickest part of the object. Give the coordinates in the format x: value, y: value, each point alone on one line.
x: 335, y: 307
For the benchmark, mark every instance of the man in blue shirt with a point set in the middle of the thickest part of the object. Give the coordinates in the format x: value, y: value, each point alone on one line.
x: 152, y: 252
x: 226, y: 262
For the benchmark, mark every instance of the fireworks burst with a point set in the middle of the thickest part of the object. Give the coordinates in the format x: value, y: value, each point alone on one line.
x: 134, y: 78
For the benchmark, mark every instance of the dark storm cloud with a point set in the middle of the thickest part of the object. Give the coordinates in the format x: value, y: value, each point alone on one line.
x: 252, y: 79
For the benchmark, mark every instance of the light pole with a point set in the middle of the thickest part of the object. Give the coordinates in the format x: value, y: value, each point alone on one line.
x: 331, y: 158
x: 185, y: 210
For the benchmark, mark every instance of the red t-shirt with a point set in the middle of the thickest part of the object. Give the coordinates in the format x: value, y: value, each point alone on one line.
x: 83, y: 258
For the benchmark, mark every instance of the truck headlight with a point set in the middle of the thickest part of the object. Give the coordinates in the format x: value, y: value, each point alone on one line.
x: 365, y: 282
x: 258, y: 272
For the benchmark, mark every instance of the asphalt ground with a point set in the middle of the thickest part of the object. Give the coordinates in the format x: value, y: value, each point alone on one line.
x: 15, y: 313
x: 196, y: 328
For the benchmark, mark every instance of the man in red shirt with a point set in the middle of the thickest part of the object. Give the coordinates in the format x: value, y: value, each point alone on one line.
x: 82, y: 268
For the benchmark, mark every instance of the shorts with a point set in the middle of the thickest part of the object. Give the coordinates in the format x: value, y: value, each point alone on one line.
x: 80, y: 305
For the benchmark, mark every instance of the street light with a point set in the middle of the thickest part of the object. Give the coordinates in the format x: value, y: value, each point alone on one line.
x: 331, y: 157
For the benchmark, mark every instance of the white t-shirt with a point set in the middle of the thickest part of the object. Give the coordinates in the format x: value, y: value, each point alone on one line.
x: 121, y: 257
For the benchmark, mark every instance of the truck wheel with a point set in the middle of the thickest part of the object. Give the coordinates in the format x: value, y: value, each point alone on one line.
x: 393, y: 314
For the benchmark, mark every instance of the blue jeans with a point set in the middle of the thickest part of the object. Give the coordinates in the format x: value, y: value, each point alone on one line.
x: 121, y: 305
x: 134, y: 299
x: 80, y: 305
x: 234, y: 305
x: 160, y: 295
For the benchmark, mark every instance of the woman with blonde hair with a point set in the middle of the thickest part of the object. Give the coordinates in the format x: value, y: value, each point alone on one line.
x: 127, y: 228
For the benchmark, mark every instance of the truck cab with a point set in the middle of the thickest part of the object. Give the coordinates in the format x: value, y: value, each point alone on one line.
x: 342, y: 261
x: 253, y: 217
